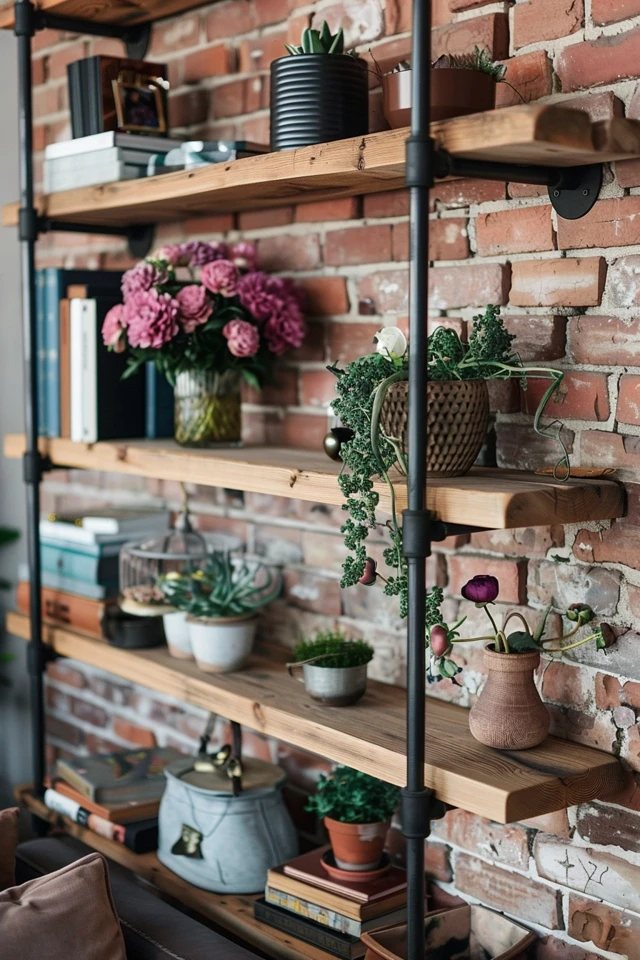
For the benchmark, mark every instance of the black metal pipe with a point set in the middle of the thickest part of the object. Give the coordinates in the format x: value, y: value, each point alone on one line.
x: 53, y: 21
x: 47, y: 225
x: 24, y: 32
x: 419, y: 177
x: 448, y: 166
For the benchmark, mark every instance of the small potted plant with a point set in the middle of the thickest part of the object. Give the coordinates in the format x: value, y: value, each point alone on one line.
x: 357, y: 811
x: 509, y: 713
x: 318, y: 93
x: 175, y: 589
x: 209, y: 319
x: 334, y: 669
x: 222, y: 602
x: 460, y: 85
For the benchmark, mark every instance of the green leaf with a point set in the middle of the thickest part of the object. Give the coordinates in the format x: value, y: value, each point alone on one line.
x: 307, y: 43
x: 317, y: 45
x: 558, y: 559
x: 338, y: 43
x: 294, y: 51
x: 326, y: 35
x: 251, y: 379
x: 448, y: 669
x: 521, y: 641
x: 539, y: 632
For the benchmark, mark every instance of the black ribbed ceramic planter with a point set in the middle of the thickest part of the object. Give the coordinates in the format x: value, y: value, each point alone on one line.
x: 317, y: 97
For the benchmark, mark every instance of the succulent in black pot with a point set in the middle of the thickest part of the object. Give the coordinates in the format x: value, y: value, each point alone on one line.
x: 318, y: 93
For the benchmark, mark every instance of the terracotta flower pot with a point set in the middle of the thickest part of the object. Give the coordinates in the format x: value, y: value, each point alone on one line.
x: 457, y: 422
x: 357, y: 846
x: 460, y: 932
x: 454, y: 93
x: 509, y: 714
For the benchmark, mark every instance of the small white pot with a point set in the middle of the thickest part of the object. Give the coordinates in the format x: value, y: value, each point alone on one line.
x: 222, y: 646
x: 176, y: 631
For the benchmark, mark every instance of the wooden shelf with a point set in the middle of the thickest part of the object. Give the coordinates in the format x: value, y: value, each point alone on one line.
x: 542, y: 135
x: 232, y: 913
x: 106, y: 11
x: 495, y: 499
x: 369, y: 736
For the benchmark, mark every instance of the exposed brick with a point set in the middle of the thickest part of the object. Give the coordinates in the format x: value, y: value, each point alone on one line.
x: 509, y: 891
x: 61, y: 672
x: 537, y: 20
x: 628, y: 409
x: 611, y: 223
x: 509, y: 844
x: 526, y: 230
x: 230, y: 19
x: 259, y: 219
x: 609, y: 826
x: 623, y: 289
x: 462, y: 193
x: 537, y: 338
x: 589, y: 871
x: 599, y: 731
x: 309, y: 591
x: 282, y: 391
x: 605, y: 60
x: 362, y: 244
x: 566, y: 683
x: 133, y: 733
x: 562, y: 283
x: 600, y: 106
x: 580, y: 396
x: 271, y: 11
x: 56, y: 64
x: 522, y: 542
x: 317, y: 388
x: 216, y: 223
x: 227, y: 99
x: 187, y: 109
x: 176, y: 34
x: 290, y: 252
x: 348, y: 341
x: 387, y: 289
x: 437, y: 862
x: 256, y: 55
x: 361, y: 20
x: 491, y: 31
x: 343, y: 209
x: 471, y: 285
x: 556, y: 824
x: 561, y: 584
x: 448, y: 239
x: 610, y: 11
x: 214, y: 61
x: 617, y: 544
x: 604, y: 340
x: 326, y: 296
x: 303, y: 430
x: 530, y: 76
x: 512, y: 575
x: 390, y: 203
x: 628, y: 173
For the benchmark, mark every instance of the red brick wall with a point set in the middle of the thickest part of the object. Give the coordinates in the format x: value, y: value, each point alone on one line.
x: 570, y: 293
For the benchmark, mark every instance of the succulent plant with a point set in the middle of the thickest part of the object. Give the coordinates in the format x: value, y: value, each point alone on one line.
x: 478, y: 60
x: 319, y: 41
x: 226, y: 587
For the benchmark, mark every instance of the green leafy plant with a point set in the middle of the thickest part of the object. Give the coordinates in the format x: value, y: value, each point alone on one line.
x: 332, y: 649
x: 226, y: 587
x: 353, y: 797
x: 478, y: 60
x: 319, y: 41
x: 362, y: 388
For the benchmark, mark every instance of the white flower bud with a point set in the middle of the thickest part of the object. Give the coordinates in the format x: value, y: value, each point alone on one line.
x: 391, y: 342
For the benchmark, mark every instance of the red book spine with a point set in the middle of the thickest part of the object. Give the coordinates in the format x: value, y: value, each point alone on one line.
x: 65, y: 609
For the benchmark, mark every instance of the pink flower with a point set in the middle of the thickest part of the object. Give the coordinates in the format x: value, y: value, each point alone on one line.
x: 171, y: 253
x: 143, y: 276
x: 113, y: 329
x: 221, y: 276
x: 285, y: 329
x: 258, y: 294
x: 244, y: 255
x: 195, y: 307
x: 151, y: 319
x: 243, y: 338
x: 196, y: 253
x: 483, y: 588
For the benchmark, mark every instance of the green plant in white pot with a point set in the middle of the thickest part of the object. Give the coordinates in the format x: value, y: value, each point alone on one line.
x: 222, y: 602
x: 334, y: 668
x: 176, y: 589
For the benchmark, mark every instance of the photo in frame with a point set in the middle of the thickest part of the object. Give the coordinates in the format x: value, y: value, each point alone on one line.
x: 140, y: 106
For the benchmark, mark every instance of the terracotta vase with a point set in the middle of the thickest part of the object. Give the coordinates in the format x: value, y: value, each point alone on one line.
x: 509, y: 714
x: 454, y: 93
x: 357, y: 846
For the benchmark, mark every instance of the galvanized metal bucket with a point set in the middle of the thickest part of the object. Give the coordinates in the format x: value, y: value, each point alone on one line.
x: 333, y: 686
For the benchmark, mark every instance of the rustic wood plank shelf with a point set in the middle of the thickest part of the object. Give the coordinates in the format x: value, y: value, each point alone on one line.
x: 541, y: 135
x: 495, y: 499
x: 122, y: 12
x: 232, y: 913
x: 369, y: 736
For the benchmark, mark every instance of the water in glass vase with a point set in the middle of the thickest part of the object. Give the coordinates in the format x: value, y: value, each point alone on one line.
x: 207, y: 408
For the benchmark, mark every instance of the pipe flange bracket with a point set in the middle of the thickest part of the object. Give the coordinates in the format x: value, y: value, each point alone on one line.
x: 576, y: 191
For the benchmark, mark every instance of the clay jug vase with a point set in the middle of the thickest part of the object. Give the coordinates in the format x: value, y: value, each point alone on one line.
x: 509, y: 714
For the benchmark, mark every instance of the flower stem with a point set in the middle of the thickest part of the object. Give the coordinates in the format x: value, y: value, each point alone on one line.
x: 571, y: 646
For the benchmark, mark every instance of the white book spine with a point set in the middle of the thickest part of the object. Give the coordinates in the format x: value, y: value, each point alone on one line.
x: 89, y: 372
x: 75, y: 325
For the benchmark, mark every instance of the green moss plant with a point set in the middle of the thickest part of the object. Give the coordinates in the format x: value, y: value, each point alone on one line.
x: 333, y: 649
x: 353, y: 797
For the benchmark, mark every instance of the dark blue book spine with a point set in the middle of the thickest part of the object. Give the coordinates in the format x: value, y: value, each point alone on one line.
x: 53, y: 294
x: 41, y: 352
x: 159, y: 405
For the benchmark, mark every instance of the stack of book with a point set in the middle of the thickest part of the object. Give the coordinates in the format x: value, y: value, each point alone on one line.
x: 102, y: 158
x: 81, y: 395
x: 79, y: 557
x: 302, y: 900
x: 116, y: 795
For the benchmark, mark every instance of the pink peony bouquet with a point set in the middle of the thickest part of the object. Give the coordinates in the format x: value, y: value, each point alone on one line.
x: 205, y: 306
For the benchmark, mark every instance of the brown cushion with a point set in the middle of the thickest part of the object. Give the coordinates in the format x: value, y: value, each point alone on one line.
x: 67, y: 915
x: 8, y: 844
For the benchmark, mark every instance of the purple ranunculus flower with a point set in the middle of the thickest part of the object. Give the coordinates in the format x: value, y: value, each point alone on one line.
x: 195, y: 307
x: 151, y: 319
x: 197, y: 253
x: 481, y: 589
x: 143, y: 276
x: 220, y: 276
x: 243, y: 338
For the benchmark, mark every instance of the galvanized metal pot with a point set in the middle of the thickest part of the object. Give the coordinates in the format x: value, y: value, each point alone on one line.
x: 333, y: 686
x: 220, y: 842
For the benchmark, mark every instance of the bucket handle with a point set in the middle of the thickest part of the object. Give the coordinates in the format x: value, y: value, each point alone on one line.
x: 300, y: 663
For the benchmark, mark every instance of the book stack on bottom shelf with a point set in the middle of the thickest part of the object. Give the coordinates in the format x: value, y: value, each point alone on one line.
x: 302, y: 900
x: 117, y: 796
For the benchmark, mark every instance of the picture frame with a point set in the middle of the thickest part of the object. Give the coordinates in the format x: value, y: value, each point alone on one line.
x: 140, y: 105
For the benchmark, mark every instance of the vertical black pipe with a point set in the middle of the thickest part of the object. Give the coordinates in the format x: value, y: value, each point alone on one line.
x: 418, y: 302
x: 28, y: 233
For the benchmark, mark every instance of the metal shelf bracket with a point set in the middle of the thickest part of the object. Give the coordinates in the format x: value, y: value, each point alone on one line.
x: 139, y: 238
x: 29, y: 20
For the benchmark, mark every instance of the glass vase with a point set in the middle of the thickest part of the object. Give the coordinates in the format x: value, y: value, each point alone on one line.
x: 207, y: 408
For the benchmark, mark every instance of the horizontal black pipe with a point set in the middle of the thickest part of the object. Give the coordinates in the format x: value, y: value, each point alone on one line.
x: 45, y: 225
x: 448, y: 166
x: 54, y: 21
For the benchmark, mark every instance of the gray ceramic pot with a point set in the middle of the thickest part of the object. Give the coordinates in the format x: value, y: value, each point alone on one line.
x: 334, y: 686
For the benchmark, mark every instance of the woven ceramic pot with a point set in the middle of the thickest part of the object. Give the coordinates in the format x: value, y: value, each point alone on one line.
x: 457, y: 422
x: 509, y: 714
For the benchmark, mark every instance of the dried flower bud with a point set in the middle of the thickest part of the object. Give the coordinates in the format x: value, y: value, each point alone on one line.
x: 369, y: 576
x: 606, y: 636
x: 439, y: 641
x: 580, y: 613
